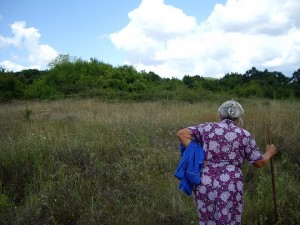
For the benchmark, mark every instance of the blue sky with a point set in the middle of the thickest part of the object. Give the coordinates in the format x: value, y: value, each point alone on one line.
x: 170, y: 37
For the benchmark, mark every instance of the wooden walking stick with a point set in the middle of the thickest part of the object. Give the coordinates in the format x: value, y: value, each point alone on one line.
x: 273, y: 179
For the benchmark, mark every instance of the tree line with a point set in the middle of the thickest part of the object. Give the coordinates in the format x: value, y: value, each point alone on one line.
x: 73, y: 77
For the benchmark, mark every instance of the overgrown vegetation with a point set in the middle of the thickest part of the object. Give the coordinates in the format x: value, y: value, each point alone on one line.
x: 93, y: 162
x: 80, y: 159
x: 72, y: 77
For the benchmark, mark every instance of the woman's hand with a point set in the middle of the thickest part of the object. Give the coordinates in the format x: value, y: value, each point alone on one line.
x: 270, y: 152
x: 271, y: 149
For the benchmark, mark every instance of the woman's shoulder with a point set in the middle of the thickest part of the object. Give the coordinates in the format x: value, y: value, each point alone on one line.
x: 204, y: 127
x: 245, y: 132
x: 204, y: 124
x: 209, y: 123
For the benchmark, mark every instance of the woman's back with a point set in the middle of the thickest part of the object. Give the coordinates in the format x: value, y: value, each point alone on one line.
x: 225, y: 143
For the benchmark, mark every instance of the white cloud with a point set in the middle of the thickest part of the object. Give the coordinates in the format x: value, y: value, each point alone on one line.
x: 235, y: 37
x: 36, y: 55
x: 11, y: 66
x: 151, y: 26
x: 271, y: 17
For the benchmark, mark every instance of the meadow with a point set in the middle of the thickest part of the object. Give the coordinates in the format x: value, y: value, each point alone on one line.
x: 86, y: 161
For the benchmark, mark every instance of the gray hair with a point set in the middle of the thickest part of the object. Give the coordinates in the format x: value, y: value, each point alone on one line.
x: 230, y: 110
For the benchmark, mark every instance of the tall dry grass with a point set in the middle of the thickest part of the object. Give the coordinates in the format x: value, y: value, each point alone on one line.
x: 94, y: 162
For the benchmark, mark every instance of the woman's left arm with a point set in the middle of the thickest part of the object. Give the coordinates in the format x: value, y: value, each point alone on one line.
x: 184, y: 136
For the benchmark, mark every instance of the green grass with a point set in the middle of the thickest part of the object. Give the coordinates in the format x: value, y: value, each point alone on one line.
x: 94, y: 162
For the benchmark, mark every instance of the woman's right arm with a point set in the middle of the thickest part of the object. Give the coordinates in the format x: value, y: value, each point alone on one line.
x: 270, y: 152
x: 184, y: 136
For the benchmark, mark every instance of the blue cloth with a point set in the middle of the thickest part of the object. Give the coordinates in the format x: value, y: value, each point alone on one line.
x: 190, y: 166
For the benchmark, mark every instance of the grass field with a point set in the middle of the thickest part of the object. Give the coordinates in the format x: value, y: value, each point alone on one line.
x: 93, y: 162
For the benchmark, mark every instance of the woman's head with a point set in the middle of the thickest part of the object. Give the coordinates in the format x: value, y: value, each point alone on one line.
x: 230, y: 110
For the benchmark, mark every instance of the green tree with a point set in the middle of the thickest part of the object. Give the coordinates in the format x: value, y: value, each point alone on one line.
x: 61, y: 59
x: 28, y: 76
x: 252, y: 89
x: 296, y: 77
x: 151, y: 77
x: 137, y: 86
x: 230, y: 81
x: 188, y: 81
x: 10, y: 86
x: 39, y: 89
x: 296, y: 82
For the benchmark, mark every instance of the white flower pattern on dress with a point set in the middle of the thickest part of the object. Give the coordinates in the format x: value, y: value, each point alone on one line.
x: 239, y: 185
x: 224, y: 211
x: 207, y: 128
x: 230, y: 136
x: 230, y: 168
x: 237, y: 175
x: 231, y: 187
x: 211, y: 195
x: 236, y: 144
x: 245, y: 140
x: 219, y: 131
x: 202, y: 189
x: 211, y: 135
x: 213, y: 145
x: 211, y: 222
x: 238, y: 197
x: 210, y: 208
x: 225, y: 148
x: 224, y: 177
x: 216, y: 183
x: 225, y: 196
x: 232, y: 155
x: 206, y: 180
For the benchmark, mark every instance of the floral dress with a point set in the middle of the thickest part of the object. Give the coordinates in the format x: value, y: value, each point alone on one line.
x: 219, y: 197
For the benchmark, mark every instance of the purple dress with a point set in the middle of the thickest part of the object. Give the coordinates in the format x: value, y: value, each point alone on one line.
x: 219, y: 197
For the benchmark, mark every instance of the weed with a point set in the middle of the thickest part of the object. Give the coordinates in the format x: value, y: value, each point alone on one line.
x: 93, y: 162
x: 27, y: 113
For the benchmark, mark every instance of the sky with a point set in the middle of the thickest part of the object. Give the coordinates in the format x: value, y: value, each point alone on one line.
x: 172, y: 38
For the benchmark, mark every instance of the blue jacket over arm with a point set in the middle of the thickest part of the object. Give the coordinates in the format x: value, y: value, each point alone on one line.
x: 190, y: 166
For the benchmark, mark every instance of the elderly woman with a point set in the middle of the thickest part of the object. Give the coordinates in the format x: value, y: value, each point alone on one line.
x: 219, y: 197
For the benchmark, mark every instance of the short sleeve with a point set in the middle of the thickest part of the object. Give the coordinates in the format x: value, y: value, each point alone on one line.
x: 252, y: 152
x: 196, y: 133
